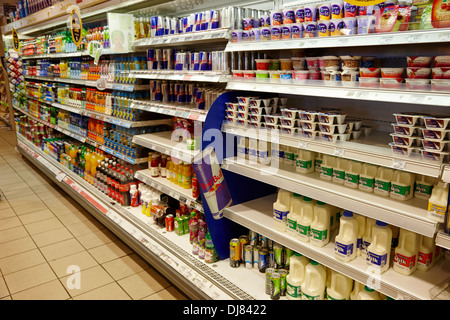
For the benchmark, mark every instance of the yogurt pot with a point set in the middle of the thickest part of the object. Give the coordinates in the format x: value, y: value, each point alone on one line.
x: 288, y: 130
x: 310, y: 29
x: 323, y: 28
x: 230, y: 120
x: 255, y: 103
x: 308, y: 134
x: 350, y: 77
x: 333, y: 128
x: 311, y: 126
x: 255, y: 117
x: 286, y: 75
x: 274, y: 64
x: 440, y: 84
x: 369, y: 72
x: 335, y: 76
x: 285, y: 64
x: 274, y: 75
x: 312, y: 62
x: 331, y: 118
x: 297, y: 30
x: 300, y: 75
x: 265, y: 33
x: 231, y: 113
x: 418, y: 62
x: 289, y: 113
x: 410, y: 119
x: 241, y: 122
x: 272, y: 119
x: 262, y: 75
x: 440, y: 73
x: 254, y: 124
x: 435, y: 134
x: 245, y: 101
x: 399, y: 140
x: 242, y: 115
x: 330, y: 61
x: 394, y: 73
x: 442, y: 61
x: 287, y: 122
x: 435, y: 145
x: 403, y: 150
x: 417, y: 84
x: 262, y: 64
x: 405, y: 130
x: 286, y: 32
x: 255, y: 111
x: 437, y: 122
x: 271, y: 126
x: 418, y: 73
x: 314, y: 75
x: 298, y: 63
x: 355, y: 134
x: 230, y: 106
x: 308, y: 116
x: 249, y: 74
x: 236, y: 35
x: 435, y: 156
x: 325, y: 75
x: 369, y: 82
x: 391, y: 83
x: 238, y: 74
x: 275, y: 33
x: 350, y: 61
x: 367, y: 62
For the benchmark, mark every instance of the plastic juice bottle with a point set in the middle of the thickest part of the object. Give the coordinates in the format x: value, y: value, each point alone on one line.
x: 367, y: 238
x: 368, y: 294
x: 339, y: 168
x: 296, y: 276
x: 438, y: 202
x: 406, y: 253
x: 93, y: 164
x: 294, y: 213
x: 340, y: 286
x: 318, y: 162
x: 305, y: 161
x: 352, y: 173
x: 243, y: 147
x: 427, y: 250
x: 187, y: 176
x: 379, y: 251
x: 424, y: 186
x: 402, y: 187
x: 367, y: 177
x: 193, y: 227
x: 263, y: 152
x: 313, y: 287
x: 326, y: 170
x: 383, y: 181
x: 305, y: 219
x: 361, y: 229
x: 253, y: 150
x: 281, y: 209
x: 320, y: 226
x: 346, y: 240
x: 144, y: 198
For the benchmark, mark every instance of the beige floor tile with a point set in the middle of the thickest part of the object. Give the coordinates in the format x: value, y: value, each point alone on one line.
x: 6, y: 298
x: 8, y: 175
x: 21, y: 261
x: 125, y: 266
x: 52, y: 290
x: 4, y: 292
x: 36, y: 216
x: 13, y: 184
x: 53, y: 189
x: 35, y: 206
x: 169, y: 293
x: 61, y: 210
x: 7, y: 213
x: 30, y: 277
x: 90, y: 279
x: 53, y: 236
x: 23, y: 200
x: 143, y: 284
x: 16, y: 246
x: 85, y: 227
x: 9, y: 223
x: 110, y: 251
x: 81, y: 259
x: 4, y: 204
x: 13, y: 194
x: 43, y: 226
x: 61, y: 249
x: 97, y: 238
x: 111, y: 291
x: 49, y: 195
x: 13, y: 234
x: 75, y: 217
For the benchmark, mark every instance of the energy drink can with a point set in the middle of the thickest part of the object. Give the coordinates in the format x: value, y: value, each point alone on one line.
x: 283, y: 284
x: 256, y: 250
x: 159, y: 26
x: 165, y: 92
x: 167, y: 21
x: 235, y: 254
x: 203, y: 61
x: 150, y: 58
x: 268, y: 282
x: 263, y: 260
x: 248, y: 256
x: 206, y: 19
x: 158, y: 59
x: 243, y: 241
x: 198, y: 21
x: 271, y: 262
x: 263, y: 241
x: 215, y: 19
x: 278, y: 255
x: 195, y: 60
x: 253, y: 237
x: 269, y: 244
x: 275, y: 280
x: 288, y: 253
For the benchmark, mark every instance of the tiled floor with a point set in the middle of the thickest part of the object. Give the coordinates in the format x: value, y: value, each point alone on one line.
x: 45, y: 237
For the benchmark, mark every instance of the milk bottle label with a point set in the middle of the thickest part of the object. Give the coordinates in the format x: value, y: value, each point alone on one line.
x: 436, y: 210
x: 303, y: 231
x: 352, y: 178
x: 359, y: 243
x: 344, y: 250
x: 404, y: 262
x: 280, y: 216
x: 383, y: 185
x: 401, y: 190
x: 293, y: 291
x: 367, y: 182
x: 317, y: 164
x: 339, y: 174
x: 303, y: 164
x: 319, y: 235
x: 423, y: 189
x: 326, y: 171
x: 377, y: 259
x: 292, y: 224
x: 425, y: 259
x: 242, y: 150
x: 308, y: 297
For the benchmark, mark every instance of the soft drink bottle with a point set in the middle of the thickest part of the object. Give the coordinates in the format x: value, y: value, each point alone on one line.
x: 193, y: 227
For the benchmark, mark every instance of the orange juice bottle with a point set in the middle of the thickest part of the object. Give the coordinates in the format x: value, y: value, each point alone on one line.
x: 175, y: 173
x: 87, y: 157
x: 169, y: 170
x: 93, y: 164
x: 73, y: 154
x: 187, y: 176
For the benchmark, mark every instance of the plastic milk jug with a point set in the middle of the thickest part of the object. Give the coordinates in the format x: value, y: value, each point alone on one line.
x: 357, y: 288
x: 243, y: 148
x: 346, y: 240
x: 437, y: 204
x: 361, y: 230
x: 318, y: 162
x: 379, y: 251
x: 352, y: 174
x: 305, y: 161
x: 395, y: 234
x: 326, y: 170
x: 320, y: 226
x: 305, y: 220
x: 334, y: 219
x: 296, y: 276
x: 406, y: 253
x: 339, y: 168
x: 368, y: 294
x: 276, y: 153
x: 313, y: 287
x: 367, y: 238
x: 383, y: 181
x: 340, y: 287
x: 424, y: 186
x: 263, y: 152
x: 294, y: 213
x: 281, y: 209
x: 289, y: 156
x: 367, y: 177
x: 402, y: 186
x: 252, y: 150
x: 427, y: 250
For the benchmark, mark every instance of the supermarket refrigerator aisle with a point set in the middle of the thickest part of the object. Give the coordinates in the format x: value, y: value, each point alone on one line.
x: 45, y: 236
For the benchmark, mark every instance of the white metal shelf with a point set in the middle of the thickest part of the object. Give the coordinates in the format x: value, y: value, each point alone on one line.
x: 174, y: 110
x: 318, y: 88
x: 170, y: 253
x: 373, y: 39
x: 410, y: 214
x: 372, y: 149
x: 257, y: 216
x: 173, y: 190
x: 162, y: 142
x: 443, y: 240
x: 203, y: 76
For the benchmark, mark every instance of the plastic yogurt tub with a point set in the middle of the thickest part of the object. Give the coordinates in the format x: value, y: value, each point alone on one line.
x: 286, y: 75
x: 405, y: 130
x: 350, y: 61
x: 289, y: 113
x: 440, y: 84
x: 249, y: 74
x: 333, y: 128
x: 331, y: 118
x: 369, y: 82
x: 274, y: 75
x: 255, y: 111
x: 403, y: 150
x: 272, y: 119
x: 419, y: 62
x: 314, y: 74
x: 238, y: 74
x: 287, y: 130
x: 312, y: 62
x: 262, y: 64
x: 440, y: 73
x: 417, y: 84
x: 287, y: 122
x: 391, y: 83
x: 392, y: 72
x: 254, y: 124
x: 298, y: 63
x: 399, y: 140
x: 435, y: 134
x: 331, y: 61
x: 308, y: 116
x: 350, y: 77
x: 325, y: 75
x: 434, y: 156
x: 245, y: 101
x: 271, y: 126
x: 300, y: 75
x: 274, y: 64
x: 369, y: 72
x: 437, y: 122
x: 285, y: 64
x: 435, y: 145
x: 410, y: 119
x: 311, y: 126
x: 308, y: 134
x: 255, y: 103
x: 230, y: 106
x: 262, y: 75
x: 442, y: 61
x: 255, y: 117
x: 418, y: 73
